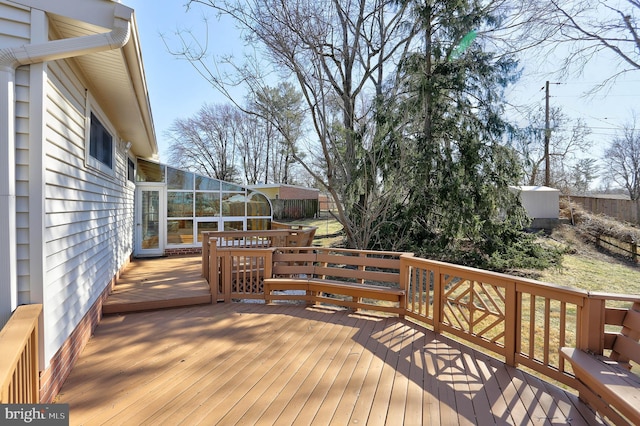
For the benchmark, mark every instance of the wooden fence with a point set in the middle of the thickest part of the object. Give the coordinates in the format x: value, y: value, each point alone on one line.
x: 624, y: 248
x: 19, y: 372
x: 624, y: 210
x: 294, y: 209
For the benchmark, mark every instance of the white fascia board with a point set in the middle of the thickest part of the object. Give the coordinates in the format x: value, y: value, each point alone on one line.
x: 95, y: 12
x: 133, y: 55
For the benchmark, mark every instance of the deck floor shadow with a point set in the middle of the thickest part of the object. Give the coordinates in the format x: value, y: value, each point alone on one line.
x: 250, y: 363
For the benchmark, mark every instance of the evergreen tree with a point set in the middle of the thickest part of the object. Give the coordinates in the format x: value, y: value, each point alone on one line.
x: 458, y: 204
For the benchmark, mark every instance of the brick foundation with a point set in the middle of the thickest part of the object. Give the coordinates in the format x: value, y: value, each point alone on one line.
x: 53, y: 377
x: 182, y: 251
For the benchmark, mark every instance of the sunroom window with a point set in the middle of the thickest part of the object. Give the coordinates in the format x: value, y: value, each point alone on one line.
x: 194, y: 204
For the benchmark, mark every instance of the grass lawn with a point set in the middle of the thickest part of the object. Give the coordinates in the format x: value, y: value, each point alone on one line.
x: 328, y: 229
x: 589, y: 268
x: 588, y: 273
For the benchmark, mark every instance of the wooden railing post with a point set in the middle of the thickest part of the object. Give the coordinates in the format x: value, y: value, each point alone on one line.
x: 404, y: 281
x: 227, y: 274
x: 213, y: 270
x: 438, y: 296
x: 205, y: 255
x: 512, y: 315
x: 591, y: 325
x: 268, y: 263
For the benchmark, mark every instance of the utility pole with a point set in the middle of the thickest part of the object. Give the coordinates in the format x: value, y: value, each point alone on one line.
x: 547, y: 137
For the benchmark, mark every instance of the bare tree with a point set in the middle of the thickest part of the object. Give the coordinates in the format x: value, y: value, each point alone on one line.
x: 568, y: 141
x: 206, y: 143
x: 588, y: 28
x: 281, y: 107
x: 339, y: 55
x: 623, y: 160
x: 253, y: 147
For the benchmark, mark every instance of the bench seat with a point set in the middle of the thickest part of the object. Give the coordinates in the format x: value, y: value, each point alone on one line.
x: 356, y: 290
x: 316, y: 290
x: 608, y: 380
x: 330, y: 286
x: 340, y: 277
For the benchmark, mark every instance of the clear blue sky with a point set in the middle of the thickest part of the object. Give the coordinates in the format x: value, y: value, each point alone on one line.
x: 176, y: 90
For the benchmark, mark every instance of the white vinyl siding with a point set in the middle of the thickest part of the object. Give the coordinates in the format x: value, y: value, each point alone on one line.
x: 89, y: 216
x: 15, y: 25
x: 15, y: 30
x: 22, y: 184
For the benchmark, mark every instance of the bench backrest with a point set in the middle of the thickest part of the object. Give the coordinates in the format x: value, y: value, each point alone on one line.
x: 625, y: 346
x: 355, y: 266
x: 301, y: 238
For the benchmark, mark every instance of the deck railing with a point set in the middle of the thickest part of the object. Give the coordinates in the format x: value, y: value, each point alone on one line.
x: 238, y: 273
x: 282, y: 235
x: 19, y: 373
x: 524, y: 321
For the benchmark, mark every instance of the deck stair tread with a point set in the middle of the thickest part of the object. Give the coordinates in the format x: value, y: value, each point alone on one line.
x: 149, y: 284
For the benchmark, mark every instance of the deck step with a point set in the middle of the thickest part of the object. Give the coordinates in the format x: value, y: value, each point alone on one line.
x: 152, y: 305
x: 159, y: 284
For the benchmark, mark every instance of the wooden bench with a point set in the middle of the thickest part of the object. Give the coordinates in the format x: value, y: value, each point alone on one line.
x: 354, y: 279
x: 606, y: 383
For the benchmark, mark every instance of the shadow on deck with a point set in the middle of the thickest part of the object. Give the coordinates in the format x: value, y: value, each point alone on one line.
x: 149, y: 284
x: 251, y: 363
x: 242, y: 363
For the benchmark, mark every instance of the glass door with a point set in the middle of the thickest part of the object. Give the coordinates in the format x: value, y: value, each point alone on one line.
x: 150, y: 220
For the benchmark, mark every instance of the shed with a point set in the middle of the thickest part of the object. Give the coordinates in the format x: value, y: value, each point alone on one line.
x: 541, y: 203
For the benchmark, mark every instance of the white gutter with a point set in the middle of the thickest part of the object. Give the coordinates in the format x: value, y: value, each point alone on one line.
x: 10, y: 59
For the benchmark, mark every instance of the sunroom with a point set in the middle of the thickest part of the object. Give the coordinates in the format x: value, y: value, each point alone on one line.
x: 173, y: 207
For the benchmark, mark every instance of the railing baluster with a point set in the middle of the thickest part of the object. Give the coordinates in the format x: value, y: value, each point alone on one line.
x: 547, y: 330
x: 532, y: 325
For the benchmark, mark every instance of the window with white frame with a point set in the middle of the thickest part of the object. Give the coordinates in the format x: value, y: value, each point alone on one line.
x: 101, y: 146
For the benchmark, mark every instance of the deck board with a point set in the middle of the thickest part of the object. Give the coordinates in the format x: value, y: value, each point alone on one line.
x: 353, y: 385
x: 249, y: 363
x: 226, y: 381
x: 415, y: 385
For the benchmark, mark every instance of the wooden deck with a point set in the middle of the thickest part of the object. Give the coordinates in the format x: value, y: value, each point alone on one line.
x: 148, y: 284
x: 250, y: 363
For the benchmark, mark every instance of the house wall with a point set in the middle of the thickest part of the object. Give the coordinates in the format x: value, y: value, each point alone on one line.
x: 16, y: 21
x: 297, y: 193
x: 88, y: 215
x: 22, y: 183
x: 74, y: 224
x: 15, y: 24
